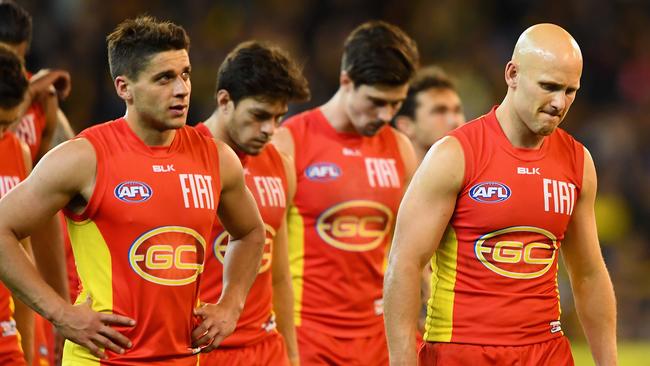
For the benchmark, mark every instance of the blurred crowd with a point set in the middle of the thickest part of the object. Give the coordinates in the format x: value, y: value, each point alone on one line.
x: 470, y: 39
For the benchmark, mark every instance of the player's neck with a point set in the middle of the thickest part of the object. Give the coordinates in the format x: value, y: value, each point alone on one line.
x: 334, y: 113
x: 515, y: 129
x: 149, y: 135
x: 217, y: 126
x: 212, y: 123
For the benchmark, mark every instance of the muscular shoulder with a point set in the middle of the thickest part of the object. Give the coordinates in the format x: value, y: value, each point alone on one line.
x: 406, y: 151
x: 283, y: 141
x: 230, y: 168
x: 71, y: 166
x: 444, y: 165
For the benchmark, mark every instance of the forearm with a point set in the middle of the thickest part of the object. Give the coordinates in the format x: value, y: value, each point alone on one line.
x: 241, y: 264
x: 402, y: 304
x: 283, y: 308
x: 22, y: 278
x: 24, y: 317
x: 49, y: 253
x: 50, y: 106
x: 596, y: 307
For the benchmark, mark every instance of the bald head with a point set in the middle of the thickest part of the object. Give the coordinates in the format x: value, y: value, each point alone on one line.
x: 546, y: 43
x: 543, y: 78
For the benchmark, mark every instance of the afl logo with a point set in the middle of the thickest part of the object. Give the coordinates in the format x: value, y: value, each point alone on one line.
x: 355, y: 226
x: 133, y: 191
x: 323, y: 172
x: 221, y: 244
x: 490, y: 192
x: 168, y: 255
x: 520, y: 252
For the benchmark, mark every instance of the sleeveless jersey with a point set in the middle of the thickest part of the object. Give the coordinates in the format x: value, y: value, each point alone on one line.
x: 494, y: 276
x: 12, y: 171
x: 31, y: 126
x: 265, y: 178
x: 140, y: 244
x: 348, y: 190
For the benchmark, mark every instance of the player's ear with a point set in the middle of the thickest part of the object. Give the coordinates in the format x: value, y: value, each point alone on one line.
x: 405, y: 125
x: 225, y: 104
x: 345, y: 82
x: 123, y: 88
x: 512, y: 74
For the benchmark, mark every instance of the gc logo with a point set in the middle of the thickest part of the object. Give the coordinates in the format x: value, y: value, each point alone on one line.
x: 221, y: 244
x: 168, y: 255
x: 521, y: 252
x: 355, y: 226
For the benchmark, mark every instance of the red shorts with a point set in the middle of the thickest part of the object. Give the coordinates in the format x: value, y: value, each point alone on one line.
x: 270, y: 351
x: 321, y: 349
x: 555, y: 352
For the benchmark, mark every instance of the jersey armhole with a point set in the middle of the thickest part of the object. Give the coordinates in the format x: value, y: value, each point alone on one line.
x: 297, y: 146
x: 276, y: 156
x: 580, y: 163
x: 99, y: 186
x: 466, y: 149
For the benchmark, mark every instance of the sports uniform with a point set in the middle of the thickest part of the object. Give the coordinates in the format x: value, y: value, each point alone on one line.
x: 140, y: 243
x: 494, y: 280
x: 255, y: 340
x: 348, y: 190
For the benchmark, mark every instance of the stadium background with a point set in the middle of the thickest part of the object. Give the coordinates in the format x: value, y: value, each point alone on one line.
x: 471, y: 39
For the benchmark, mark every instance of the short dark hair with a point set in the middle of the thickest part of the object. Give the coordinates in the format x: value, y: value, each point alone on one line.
x: 261, y: 69
x: 15, y: 23
x: 134, y: 41
x: 431, y: 77
x: 379, y: 53
x: 13, y: 82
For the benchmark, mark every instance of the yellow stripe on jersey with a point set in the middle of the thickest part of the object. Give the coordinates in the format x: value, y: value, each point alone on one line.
x: 557, y: 290
x: 296, y: 232
x: 93, y: 260
x: 440, y: 307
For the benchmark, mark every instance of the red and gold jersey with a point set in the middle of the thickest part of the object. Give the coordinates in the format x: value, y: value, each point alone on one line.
x: 140, y: 244
x: 31, y: 126
x: 12, y: 171
x: 266, y: 179
x: 494, y: 276
x: 349, y: 188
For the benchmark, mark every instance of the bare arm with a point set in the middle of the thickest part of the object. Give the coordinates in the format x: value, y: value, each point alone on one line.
x: 240, y: 217
x: 421, y: 221
x: 282, y: 286
x: 408, y: 155
x: 50, y: 105
x: 283, y: 141
x: 592, y: 287
x: 46, y: 246
x: 63, y: 174
x: 24, y: 317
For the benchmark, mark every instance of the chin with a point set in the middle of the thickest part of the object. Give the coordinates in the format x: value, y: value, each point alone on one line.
x: 176, y: 123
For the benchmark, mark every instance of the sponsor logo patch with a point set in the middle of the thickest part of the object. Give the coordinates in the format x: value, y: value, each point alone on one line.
x: 490, y: 192
x: 519, y: 252
x: 168, y: 255
x: 323, y: 172
x: 355, y: 226
x: 133, y: 191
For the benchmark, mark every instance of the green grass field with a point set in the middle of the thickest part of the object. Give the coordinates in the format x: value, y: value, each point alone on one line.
x: 629, y: 354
